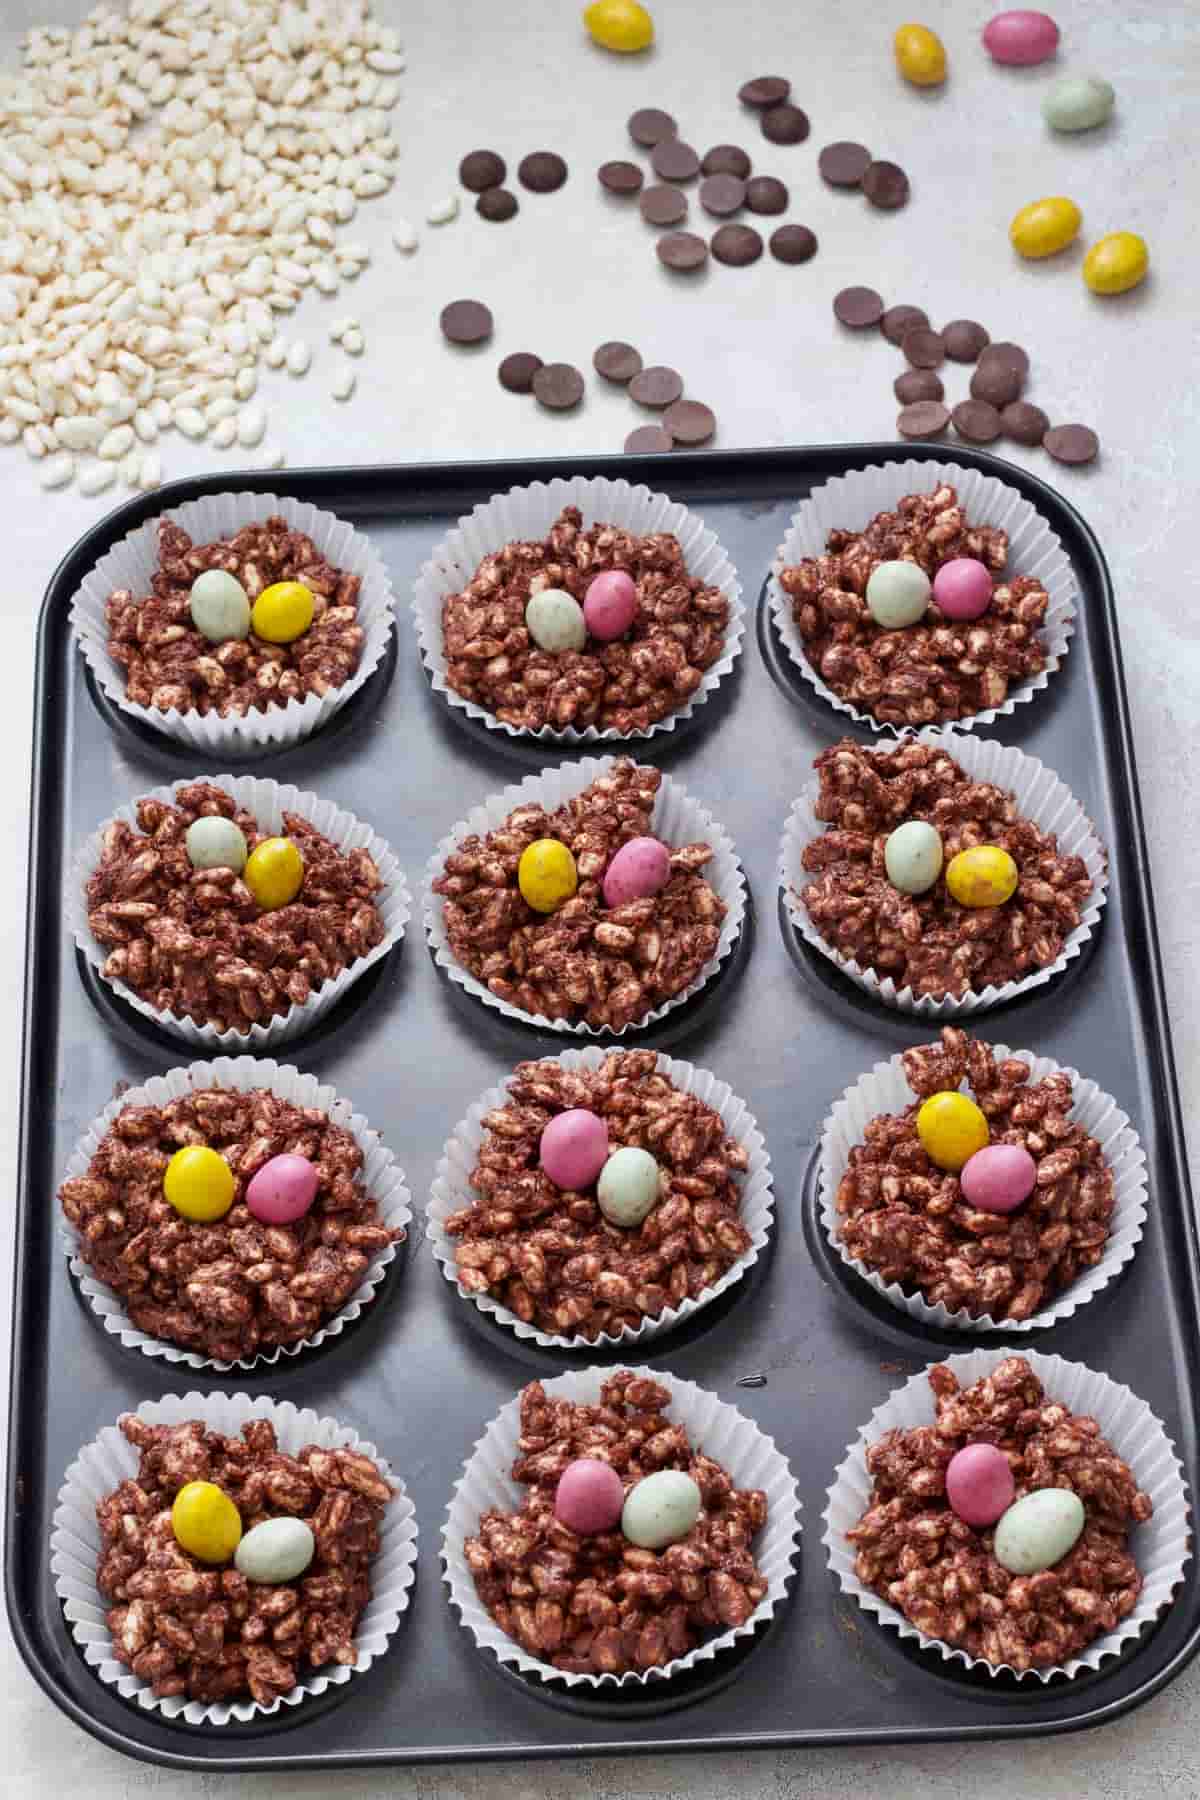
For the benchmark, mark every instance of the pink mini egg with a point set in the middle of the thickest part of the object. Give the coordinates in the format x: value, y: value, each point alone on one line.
x: 574, y: 1148
x: 979, y: 1484
x: 1020, y: 37
x: 998, y: 1178
x: 962, y: 588
x: 610, y: 605
x: 283, y: 1190
x: 640, y: 867
x: 589, y: 1496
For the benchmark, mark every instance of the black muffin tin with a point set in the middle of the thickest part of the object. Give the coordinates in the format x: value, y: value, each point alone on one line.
x: 423, y: 1372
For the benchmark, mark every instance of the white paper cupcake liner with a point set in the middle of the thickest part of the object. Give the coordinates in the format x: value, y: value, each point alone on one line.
x: 110, y: 1459
x: 849, y: 502
x: 714, y: 1427
x: 1161, y: 1546
x: 885, y: 1090
x: 1040, y: 797
x: 381, y: 1176
x: 527, y: 513
x: 131, y: 564
x: 267, y: 801
x: 677, y: 820
x: 452, y: 1190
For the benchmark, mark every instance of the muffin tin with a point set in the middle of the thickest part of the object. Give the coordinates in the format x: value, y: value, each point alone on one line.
x: 801, y: 1346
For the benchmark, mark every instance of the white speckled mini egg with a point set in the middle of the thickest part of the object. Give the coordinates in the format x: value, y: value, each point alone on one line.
x: 216, y: 843
x: 555, y: 622
x: 913, y: 856
x: 219, y: 606
x: 276, y: 1550
x: 1037, y: 1532
x: 898, y: 594
x: 628, y: 1188
x: 661, y: 1509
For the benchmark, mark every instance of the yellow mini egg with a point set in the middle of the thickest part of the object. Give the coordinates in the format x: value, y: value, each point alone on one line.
x: 620, y: 25
x: 274, y: 872
x: 547, y: 875
x: 1045, y: 227
x: 282, y: 612
x: 199, y: 1184
x: 984, y: 876
x: 951, y: 1129
x: 205, y: 1521
x: 920, y: 55
x: 1116, y: 263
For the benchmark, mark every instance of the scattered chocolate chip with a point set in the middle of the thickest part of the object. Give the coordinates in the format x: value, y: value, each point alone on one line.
x: 886, y: 185
x: 1072, y: 443
x: 923, y: 419
x: 690, y: 422
x: 482, y: 169
x: 923, y: 349
x: 844, y: 164
x: 997, y: 382
x: 617, y: 361
x: 496, y: 204
x: 858, y: 307
x: 976, y: 421
x: 620, y: 177
x: 737, y: 245
x: 917, y: 384
x: 722, y: 195
x: 466, y: 322
x: 726, y: 159
x: 542, y: 171
x: 682, y: 251
x: 663, y: 206
x: 764, y: 194
x: 964, y: 340
x: 897, y: 321
x: 1008, y: 353
x: 648, y: 437
x: 650, y: 126
x: 793, y: 244
x: 673, y: 160
x: 657, y: 386
x: 1023, y: 422
x: 785, y: 125
x: 558, y: 386
x: 764, y: 90
x: 517, y: 371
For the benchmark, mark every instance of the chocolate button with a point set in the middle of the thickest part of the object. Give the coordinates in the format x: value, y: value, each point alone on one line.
x: 673, y: 160
x: 923, y: 419
x: 722, y: 195
x: 898, y: 321
x: 726, y: 159
x: 923, y: 348
x: 620, y: 177
x: 997, y: 382
x: 737, y: 245
x: 917, y: 384
x: 858, y: 307
x: 482, y: 169
x: 517, y: 371
x: 496, y: 204
x: 793, y: 244
x: 886, y: 185
x: 648, y: 437
x: 466, y: 322
x: 682, y: 252
x: 542, y: 171
x: 1009, y: 353
x: 657, y: 386
x: 1024, y: 423
x: 785, y: 125
x: 650, y: 126
x: 1072, y: 443
x: 690, y: 422
x: 976, y: 421
x: 766, y: 195
x: 558, y: 386
x: 617, y: 362
x: 764, y: 90
x: 964, y: 340
x: 663, y: 206
x: 844, y: 164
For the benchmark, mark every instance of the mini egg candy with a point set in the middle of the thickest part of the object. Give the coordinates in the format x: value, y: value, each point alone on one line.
x: 1038, y: 1530
x: 983, y: 876
x: 205, y: 1521
x: 1020, y: 37
x: 912, y: 856
x: 574, y: 1148
x: 219, y: 606
x: 920, y: 55
x: 214, y: 842
x: 199, y: 1184
x: 283, y: 1190
x: 999, y: 1178
x: 660, y: 1509
x: 589, y: 1497
x: 554, y: 620
x: 274, y: 872
x: 277, y: 1550
x: 898, y: 594
x: 1045, y: 227
x: 951, y: 1129
x: 962, y: 588
x: 283, y: 612
x: 1116, y: 263
x: 1078, y: 103
x: 628, y: 1187
x: 620, y: 25
x: 610, y: 605
x: 546, y: 875
x: 979, y: 1484
x: 640, y: 868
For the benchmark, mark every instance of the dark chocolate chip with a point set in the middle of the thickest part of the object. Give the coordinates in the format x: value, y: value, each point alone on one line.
x: 764, y: 194
x: 886, y: 185
x: 996, y: 381
x: 657, y: 386
x: 496, y: 204
x: 1024, y: 422
x: 917, y: 384
x: 663, y: 206
x: 764, y: 90
x: 976, y: 421
x: 726, y: 159
x: 844, y: 164
x: 617, y: 361
x: 682, y: 251
x: 923, y: 419
x: 923, y: 349
x: 542, y: 171
x: 897, y: 321
x: 482, y: 169
x: 1072, y: 443
x: 964, y: 340
x: 1009, y: 353
x: 466, y: 322
x: 690, y: 422
x: 737, y: 245
x: 785, y: 125
x: 558, y: 386
x: 722, y: 195
x: 648, y: 437
x: 518, y: 370
x: 650, y: 126
x: 620, y: 177
x: 793, y: 244
x: 673, y: 160
x: 858, y: 307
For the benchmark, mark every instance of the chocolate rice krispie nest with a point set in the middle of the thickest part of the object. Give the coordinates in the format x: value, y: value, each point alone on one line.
x: 627, y: 685
x: 189, y: 1628
x: 168, y: 664
x: 550, y: 1256
x: 938, y: 669
x: 196, y: 943
x: 236, y: 1286
x: 919, y: 1556
x: 599, y: 1604
x: 905, y: 1218
x: 930, y: 942
x: 606, y: 966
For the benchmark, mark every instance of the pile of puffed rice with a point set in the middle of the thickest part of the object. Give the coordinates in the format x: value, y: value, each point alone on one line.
x: 172, y: 178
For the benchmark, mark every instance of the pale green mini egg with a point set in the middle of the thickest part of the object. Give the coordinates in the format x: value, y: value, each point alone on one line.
x: 276, y: 1550
x: 913, y: 856
x: 628, y: 1188
x: 219, y: 606
x: 661, y: 1509
x: 555, y: 622
x: 898, y: 594
x: 216, y: 843
x: 1078, y: 103
x: 1037, y: 1532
